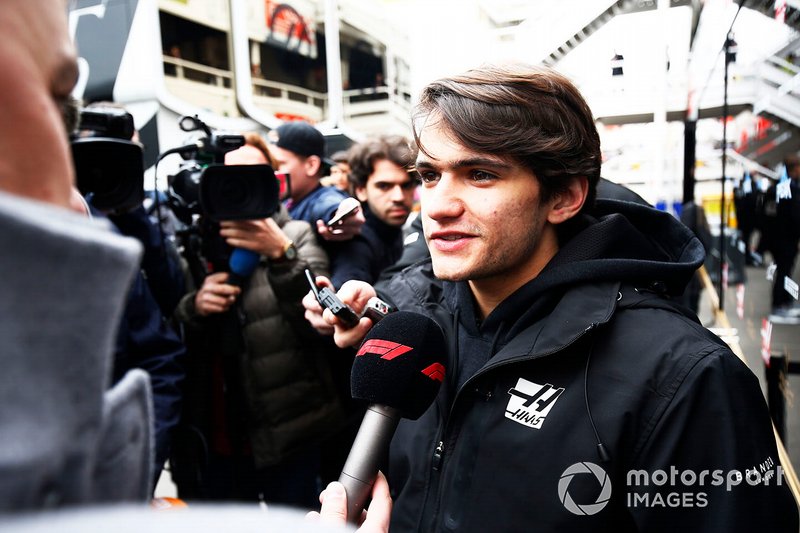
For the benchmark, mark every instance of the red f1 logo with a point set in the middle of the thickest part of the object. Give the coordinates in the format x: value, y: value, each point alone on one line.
x: 386, y: 349
x: 435, y: 372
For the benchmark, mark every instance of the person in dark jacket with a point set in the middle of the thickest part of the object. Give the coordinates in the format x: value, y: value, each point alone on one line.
x: 298, y: 149
x: 380, y: 178
x: 146, y: 340
x: 578, y: 396
x: 785, y: 240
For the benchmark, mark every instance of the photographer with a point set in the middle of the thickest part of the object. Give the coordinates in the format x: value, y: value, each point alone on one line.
x: 105, y: 126
x: 255, y: 413
x: 144, y: 338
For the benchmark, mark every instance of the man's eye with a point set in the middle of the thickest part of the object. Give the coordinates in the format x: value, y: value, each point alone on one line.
x: 428, y: 177
x: 481, y: 176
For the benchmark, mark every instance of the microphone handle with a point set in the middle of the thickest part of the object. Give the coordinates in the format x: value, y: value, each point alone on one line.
x: 361, y: 468
x: 242, y: 263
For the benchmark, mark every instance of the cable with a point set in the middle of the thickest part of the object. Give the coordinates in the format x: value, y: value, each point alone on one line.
x: 716, y: 61
x: 601, y: 449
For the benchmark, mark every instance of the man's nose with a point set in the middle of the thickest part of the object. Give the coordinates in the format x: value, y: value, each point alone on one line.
x: 442, y: 201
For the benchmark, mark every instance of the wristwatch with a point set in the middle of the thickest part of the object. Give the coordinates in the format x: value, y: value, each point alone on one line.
x: 289, y: 252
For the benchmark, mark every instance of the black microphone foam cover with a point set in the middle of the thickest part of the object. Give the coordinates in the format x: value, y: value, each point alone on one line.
x: 400, y: 364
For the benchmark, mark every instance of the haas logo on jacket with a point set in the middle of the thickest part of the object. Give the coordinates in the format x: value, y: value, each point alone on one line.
x: 530, y: 402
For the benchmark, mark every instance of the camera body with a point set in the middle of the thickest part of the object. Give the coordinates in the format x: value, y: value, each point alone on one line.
x: 205, y: 187
x: 109, y: 166
x: 205, y: 192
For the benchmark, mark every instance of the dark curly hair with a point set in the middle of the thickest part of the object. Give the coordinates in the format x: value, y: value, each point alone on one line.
x: 363, y: 156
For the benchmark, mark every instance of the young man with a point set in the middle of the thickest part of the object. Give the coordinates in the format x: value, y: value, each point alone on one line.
x: 382, y: 183
x: 574, y: 384
x: 299, y: 150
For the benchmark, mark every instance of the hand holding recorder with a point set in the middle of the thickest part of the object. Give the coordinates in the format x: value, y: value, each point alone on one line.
x: 343, y: 314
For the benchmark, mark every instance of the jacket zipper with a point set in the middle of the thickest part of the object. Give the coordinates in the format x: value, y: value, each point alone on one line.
x: 438, y: 457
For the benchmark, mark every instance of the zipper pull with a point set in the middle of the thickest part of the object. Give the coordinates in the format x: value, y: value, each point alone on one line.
x: 437, y: 455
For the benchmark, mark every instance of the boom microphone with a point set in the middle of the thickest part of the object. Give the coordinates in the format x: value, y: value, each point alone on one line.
x: 398, y: 369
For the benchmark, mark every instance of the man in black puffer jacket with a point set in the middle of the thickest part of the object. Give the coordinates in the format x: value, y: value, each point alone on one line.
x: 578, y: 395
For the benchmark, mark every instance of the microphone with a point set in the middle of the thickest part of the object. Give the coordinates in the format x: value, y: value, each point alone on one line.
x: 398, y: 369
x: 242, y: 264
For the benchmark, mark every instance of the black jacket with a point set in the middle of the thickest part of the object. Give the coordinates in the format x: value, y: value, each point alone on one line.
x: 367, y: 254
x: 591, y: 351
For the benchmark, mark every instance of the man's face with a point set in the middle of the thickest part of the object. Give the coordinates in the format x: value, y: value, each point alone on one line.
x: 246, y: 155
x: 39, y: 69
x: 389, y: 192
x: 482, y: 215
x: 339, y: 173
x: 302, y: 171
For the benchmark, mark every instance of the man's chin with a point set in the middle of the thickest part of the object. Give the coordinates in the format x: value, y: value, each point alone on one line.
x: 446, y: 273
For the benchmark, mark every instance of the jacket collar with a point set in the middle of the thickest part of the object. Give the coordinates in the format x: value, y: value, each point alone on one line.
x: 579, y: 310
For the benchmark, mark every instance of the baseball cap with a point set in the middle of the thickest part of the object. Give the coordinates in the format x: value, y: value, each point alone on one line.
x: 299, y: 137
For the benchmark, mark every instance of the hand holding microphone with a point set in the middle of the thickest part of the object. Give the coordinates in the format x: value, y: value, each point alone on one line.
x: 398, y: 369
x: 251, y: 239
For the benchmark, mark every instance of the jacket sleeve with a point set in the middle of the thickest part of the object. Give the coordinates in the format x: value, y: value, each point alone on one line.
x: 715, y: 444
x: 160, y: 262
x: 352, y: 261
x: 150, y: 343
x: 288, y: 278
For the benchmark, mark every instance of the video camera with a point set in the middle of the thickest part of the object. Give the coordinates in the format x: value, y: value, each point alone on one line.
x: 205, y: 192
x: 109, y: 166
x: 205, y: 186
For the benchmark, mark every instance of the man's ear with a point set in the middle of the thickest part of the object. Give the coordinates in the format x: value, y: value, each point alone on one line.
x: 361, y: 193
x: 567, y: 203
x: 313, y: 164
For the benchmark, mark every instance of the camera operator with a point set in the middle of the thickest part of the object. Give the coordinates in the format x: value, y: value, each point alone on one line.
x: 161, y: 261
x: 144, y: 339
x: 256, y: 414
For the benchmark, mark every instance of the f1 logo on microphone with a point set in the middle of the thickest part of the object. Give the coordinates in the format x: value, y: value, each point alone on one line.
x: 386, y: 349
x: 389, y: 350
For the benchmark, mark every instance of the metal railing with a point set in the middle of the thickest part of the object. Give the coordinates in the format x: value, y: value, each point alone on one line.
x: 189, y: 70
x: 357, y: 102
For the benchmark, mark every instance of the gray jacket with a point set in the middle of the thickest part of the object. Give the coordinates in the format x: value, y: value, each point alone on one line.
x: 66, y: 439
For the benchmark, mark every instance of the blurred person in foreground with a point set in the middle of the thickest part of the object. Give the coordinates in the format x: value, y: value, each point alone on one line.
x: 68, y: 437
x: 574, y: 382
